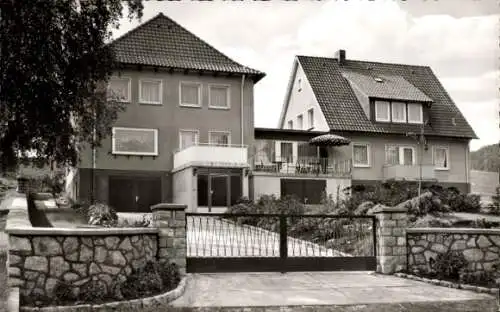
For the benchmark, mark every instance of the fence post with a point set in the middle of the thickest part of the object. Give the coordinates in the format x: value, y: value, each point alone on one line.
x: 391, y: 238
x: 283, y: 241
x: 170, y: 219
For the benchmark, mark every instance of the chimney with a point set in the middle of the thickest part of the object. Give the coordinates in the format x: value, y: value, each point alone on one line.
x: 340, y: 56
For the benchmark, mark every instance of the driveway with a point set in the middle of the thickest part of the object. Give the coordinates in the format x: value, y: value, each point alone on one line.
x: 213, y: 237
x: 324, y: 291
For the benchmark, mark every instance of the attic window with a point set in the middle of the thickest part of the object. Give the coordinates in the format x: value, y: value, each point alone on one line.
x: 378, y: 79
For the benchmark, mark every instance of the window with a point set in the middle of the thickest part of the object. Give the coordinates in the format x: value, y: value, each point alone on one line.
x: 150, y: 91
x: 190, y: 94
x: 219, y: 138
x: 290, y: 124
x: 361, y: 155
x: 135, y: 141
x: 299, y: 85
x: 382, y: 111
x: 441, y: 158
x: 188, y: 138
x: 119, y: 89
x: 287, y: 152
x: 400, y: 155
x: 218, y: 96
x: 300, y: 122
x: 310, y: 117
x: 398, y: 112
x: 415, y: 114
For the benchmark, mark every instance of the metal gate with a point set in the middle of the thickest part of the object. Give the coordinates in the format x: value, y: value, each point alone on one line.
x: 279, y: 243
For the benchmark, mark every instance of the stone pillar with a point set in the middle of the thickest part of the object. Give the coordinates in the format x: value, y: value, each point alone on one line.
x: 391, y: 238
x: 170, y: 219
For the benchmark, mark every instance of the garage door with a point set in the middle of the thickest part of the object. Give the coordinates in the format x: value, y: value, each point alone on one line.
x: 134, y: 194
x: 308, y: 191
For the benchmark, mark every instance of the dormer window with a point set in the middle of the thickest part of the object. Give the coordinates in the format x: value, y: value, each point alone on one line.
x: 398, y: 112
x: 415, y: 114
x: 382, y: 111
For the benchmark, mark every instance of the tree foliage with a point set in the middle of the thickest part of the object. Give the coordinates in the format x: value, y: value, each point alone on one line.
x: 487, y: 158
x: 54, y: 62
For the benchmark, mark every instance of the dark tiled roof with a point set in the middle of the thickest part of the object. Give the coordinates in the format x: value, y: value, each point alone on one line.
x: 343, y: 112
x: 387, y: 87
x: 164, y: 43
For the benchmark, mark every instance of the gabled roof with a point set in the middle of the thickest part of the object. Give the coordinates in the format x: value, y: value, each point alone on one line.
x: 343, y: 112
x: 162, y: 42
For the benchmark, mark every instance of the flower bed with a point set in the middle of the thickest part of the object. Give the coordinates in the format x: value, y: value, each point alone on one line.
x: 127, y: 305
x: 451, y: 284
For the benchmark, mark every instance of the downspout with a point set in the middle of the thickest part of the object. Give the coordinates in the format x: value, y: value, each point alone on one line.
x: 241, y: 102
x: 467, y: 167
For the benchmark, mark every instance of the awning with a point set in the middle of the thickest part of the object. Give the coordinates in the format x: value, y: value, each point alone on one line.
x: 329, y: 140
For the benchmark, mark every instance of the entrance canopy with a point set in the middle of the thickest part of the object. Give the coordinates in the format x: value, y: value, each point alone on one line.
x: 329, y: 140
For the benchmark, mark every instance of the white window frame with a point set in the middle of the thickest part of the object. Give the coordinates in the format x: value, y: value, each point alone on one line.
x: 377, y: 109
x: 279, y: 156
x: 199, y: 94
x: 368, y: 151
x: 290, y: 124
x: 160, y: 91
x: 447, y: 149
x: 228, y: 88
x: 310, y: 118
x: 396, y: 103
x: 129, y: 87
x: 196, y: 139
x: 300, y: 122
x: 401, y: 153
x: 113, y: 141
x: 421, y: 113
x: 217, y: 131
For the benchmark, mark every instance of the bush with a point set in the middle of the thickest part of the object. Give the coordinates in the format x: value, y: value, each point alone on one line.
x: 143, y: 282
x: 150, y: 280
x: 94, y: 291
x: 102, y: 215
x: 495, y: 205
x: 170, y: 276
x: 449, y: 265
x: 485, y: 279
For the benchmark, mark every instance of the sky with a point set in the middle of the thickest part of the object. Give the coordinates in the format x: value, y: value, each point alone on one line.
x: 458, y: 39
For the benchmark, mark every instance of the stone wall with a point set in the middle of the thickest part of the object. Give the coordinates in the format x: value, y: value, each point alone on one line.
x: 480, y: 247
x: 39, y: 261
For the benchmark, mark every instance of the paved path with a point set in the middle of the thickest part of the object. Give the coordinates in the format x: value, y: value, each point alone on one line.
x: 213, y: 237
x: 326, y: 288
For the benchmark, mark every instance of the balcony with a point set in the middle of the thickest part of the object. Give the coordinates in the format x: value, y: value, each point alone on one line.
x: 303, y: 166
x: 209, y: 155
x: 408, y: 172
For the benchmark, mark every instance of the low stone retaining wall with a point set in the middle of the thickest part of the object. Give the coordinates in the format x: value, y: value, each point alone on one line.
x: 41, y: 258
x: 39, y: 261
x: 129, y: 305
x: 480, y: 247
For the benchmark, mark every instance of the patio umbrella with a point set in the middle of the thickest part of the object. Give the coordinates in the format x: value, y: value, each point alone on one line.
x: 329, y: 140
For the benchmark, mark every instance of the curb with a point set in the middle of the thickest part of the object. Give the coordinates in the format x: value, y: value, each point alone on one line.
x: 129, y: 305
x: 478, y: 289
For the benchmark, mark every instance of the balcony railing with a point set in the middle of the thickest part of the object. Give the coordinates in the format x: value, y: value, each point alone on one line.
x: 408, y: 172
x: 203, y: 154
x: 305, y: 166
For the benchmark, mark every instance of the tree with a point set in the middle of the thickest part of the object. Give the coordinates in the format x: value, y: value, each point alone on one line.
x: 54, y: 64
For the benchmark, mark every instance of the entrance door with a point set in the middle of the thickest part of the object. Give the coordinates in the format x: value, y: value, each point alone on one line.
x: 134, y: 194
x: 219, y: 189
